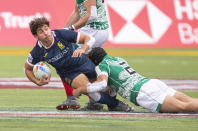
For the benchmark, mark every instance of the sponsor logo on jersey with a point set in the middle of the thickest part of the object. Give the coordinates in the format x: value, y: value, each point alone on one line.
x: 60, y: 45
x: 58, y: 56
x: 45, y: 54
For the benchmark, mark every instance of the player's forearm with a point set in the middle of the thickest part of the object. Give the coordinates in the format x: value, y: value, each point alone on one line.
x: 40, y: 82
x: 72, y: 19
x: 82, y: 22
x: 31, y: 76
x: 97, y: 86
x: 91, y: 88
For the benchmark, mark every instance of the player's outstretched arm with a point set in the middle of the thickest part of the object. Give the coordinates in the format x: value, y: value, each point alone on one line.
x: 91, y: 14
x: 30, y: 75
x: 99, y: 85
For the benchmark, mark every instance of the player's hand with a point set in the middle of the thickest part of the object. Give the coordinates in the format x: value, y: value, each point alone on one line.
x: 43, y: 81
x: 78, y: 52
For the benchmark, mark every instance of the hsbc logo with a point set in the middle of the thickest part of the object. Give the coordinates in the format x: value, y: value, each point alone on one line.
x: 136, y: 21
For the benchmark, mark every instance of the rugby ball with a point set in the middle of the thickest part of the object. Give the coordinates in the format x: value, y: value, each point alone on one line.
x: 41, y: 69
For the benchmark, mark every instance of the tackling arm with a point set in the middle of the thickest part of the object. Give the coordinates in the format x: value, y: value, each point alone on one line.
x: 99, y: 85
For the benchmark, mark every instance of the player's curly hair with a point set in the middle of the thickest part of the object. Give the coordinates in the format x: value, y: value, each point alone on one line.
x: 97, y: 54
x: 37, y: 23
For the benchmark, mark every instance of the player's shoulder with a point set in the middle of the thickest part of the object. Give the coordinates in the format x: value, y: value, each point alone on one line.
x: 104, y: 62
x: 111, y: 61
x: 37, y: 48
x: 118, y: 59
x: 110, y: 58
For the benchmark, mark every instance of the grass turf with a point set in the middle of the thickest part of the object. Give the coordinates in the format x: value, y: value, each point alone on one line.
x: 46, y: 100
x: 98, y: 124
x: 159, y: 65
x: 153, y: 66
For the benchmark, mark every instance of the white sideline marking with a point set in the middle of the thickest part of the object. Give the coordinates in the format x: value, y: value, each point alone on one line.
x: 182, y: 84
x: 92, y: 114
x: 55, y: 82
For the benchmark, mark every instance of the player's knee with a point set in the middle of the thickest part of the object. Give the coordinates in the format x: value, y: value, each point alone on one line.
x: 173, y: 105
x: 182, y: 97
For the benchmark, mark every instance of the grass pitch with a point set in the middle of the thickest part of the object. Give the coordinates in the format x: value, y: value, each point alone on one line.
x: 34, y: 100
x: 152, y: 63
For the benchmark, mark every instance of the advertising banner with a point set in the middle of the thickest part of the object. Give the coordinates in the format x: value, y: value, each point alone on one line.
x: 153, y: 23
x: 15, y: 16
x: 133, y: 23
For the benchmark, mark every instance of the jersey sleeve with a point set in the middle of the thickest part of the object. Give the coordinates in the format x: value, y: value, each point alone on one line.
x: 69, y: 36
x: 34, y: 56
x: 102, y: 69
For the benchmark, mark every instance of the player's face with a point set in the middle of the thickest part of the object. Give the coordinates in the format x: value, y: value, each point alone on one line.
x: 44, y: 34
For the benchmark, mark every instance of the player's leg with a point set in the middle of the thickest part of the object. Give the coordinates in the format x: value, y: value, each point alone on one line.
x: 101, y: 37
x: 152, y: 95
x: 104, y: 98
x: 71, y: 101
x: 81, y: 81
x: 172, y: 100
x: 185, y: 98
x: 121, y: 106
x: 180, y: 102
x: 112, y: 103
x: 88, y: 69
x: 171, y: 104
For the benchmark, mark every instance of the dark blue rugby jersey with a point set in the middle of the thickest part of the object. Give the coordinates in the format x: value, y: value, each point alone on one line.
x: 59, y: 54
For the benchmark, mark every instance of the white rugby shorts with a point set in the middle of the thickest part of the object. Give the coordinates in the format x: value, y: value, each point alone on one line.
x: 152, y: 94
x: 101, y: 36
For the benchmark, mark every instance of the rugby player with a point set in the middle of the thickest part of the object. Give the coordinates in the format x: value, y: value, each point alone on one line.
x: 56, y: 48
x: 89, y: 17
x: 152, y: 94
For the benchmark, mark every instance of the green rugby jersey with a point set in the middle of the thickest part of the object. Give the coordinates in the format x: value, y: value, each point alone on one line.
x: 101, y: 23
x: 122, y: 77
